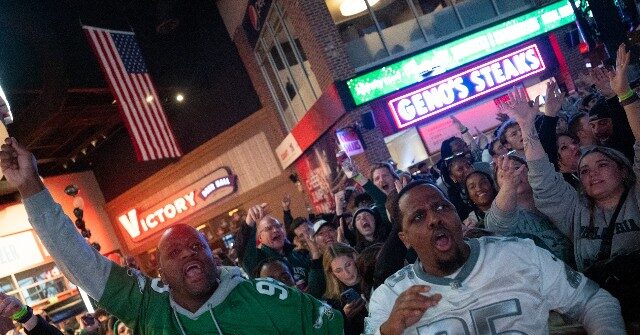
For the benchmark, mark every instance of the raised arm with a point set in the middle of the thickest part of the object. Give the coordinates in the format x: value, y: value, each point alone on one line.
x: 549, y: 187
x: 78, y: 261
x: 251, y: 255
x: 11, y: 307
x: 499, y: 218
x: 619, y: 82
x: 466, y: 136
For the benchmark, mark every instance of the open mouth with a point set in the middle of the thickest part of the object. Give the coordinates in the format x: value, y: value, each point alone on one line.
x: 443, y: 241
x: 193, y: 270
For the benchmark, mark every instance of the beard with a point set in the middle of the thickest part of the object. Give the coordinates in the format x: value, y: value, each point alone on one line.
x: 449, y: 266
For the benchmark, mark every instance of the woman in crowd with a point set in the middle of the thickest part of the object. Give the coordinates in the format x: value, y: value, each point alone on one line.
x: 513, y: 211
x: 568, y: 157
x: 343, y: 290
x: 481, y: 191
x: 370, y: 228
x: 455, y: 170
x: 603, y: 219
x: 496, y: 149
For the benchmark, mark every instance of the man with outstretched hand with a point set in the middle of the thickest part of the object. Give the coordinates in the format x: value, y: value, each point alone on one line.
x: 490, y: 285
x: 193, y: 296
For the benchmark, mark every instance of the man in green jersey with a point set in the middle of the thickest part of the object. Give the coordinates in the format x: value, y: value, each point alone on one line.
x: 193, y: 296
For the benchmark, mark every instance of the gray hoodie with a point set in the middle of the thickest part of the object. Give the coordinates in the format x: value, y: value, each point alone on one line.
x: 570, y: 212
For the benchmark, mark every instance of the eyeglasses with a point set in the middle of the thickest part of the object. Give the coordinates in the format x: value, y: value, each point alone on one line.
x: 276, y: 226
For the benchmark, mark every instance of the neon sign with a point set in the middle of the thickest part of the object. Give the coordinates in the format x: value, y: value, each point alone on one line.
x: 140, y: 223
x: 406, y: 72
x: 433, y: 98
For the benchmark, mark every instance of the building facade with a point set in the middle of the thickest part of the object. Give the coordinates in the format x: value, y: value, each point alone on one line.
x: 378, y: 78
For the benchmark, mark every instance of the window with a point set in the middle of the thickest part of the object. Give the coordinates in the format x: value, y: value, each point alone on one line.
x: 41, y: 283
x: 285, y: 67
x: 375, y: 30
x: 34, y: 285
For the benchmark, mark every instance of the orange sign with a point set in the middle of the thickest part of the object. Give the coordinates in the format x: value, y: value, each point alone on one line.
x: 140, y: 223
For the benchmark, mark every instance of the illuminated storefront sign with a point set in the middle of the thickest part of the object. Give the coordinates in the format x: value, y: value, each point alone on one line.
x: 432, y: 98
x: 140, y: 223
x: 409, y: 71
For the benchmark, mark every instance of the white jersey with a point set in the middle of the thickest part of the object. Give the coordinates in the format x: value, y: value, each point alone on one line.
x: 507, y: 286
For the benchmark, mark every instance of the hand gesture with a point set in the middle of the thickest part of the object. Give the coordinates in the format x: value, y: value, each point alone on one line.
x: 256, y: 213
x: 20, y: 168
x: 518, y: 105
x: 619, y: 79
x: 286, y: 202
x: 481, y: 138
x: 340, y: 232
x: 468, y: 224
x: 457, y: 123
x: 9, y: 305
x: 408, y: 309
x: 502, y: 117
x: 554, y: 99
x: 508, y: 174
x: 599, y: 76
x: 311, y: 244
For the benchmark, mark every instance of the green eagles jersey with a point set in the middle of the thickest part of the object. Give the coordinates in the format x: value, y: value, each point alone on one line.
x: 238, y: 306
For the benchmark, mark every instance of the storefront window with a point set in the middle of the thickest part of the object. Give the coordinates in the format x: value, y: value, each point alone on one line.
x: 7, y: 287
x: 285, y: 67
x: 41, y: 283
x: 374, y: 30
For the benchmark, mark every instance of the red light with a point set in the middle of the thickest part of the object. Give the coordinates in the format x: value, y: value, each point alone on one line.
x: 583, y: 47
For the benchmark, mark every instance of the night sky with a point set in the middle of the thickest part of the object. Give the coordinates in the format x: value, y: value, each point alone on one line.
x: 198, y: 59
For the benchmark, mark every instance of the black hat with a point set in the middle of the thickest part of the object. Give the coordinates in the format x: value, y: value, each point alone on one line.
x: 600, y: 110
x: 360, y: 210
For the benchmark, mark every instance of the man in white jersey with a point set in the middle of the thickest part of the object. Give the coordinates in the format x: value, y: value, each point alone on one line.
x: 480, y: 286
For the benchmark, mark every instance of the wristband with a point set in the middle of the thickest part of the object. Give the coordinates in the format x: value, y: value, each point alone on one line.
x: 20, y: 313
x: 628, y: 101
x: 464, y: 131
x: 626, y: 95
x: 26, y: 316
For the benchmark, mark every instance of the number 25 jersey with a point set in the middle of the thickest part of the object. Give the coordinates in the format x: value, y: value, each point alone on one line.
x: 506, y: 286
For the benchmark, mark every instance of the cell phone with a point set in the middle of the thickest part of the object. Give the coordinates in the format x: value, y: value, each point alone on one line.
x: 349, y: 296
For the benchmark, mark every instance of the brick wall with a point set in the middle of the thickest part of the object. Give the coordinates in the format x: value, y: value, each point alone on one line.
x: 572, y: 55
x: 320, y: 40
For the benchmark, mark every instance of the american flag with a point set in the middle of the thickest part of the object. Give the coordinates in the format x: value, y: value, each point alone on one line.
x: 140, y: 109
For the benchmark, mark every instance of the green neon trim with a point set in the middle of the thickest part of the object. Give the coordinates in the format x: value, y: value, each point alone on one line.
x: 408, y: 71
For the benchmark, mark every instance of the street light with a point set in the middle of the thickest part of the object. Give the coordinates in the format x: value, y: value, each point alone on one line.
x: 179, y: 97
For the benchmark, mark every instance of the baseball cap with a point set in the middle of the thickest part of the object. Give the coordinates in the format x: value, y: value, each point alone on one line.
x: 319, y: 224
x: 600, y: 110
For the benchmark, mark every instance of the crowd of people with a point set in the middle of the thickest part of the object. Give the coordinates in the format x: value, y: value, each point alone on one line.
x: 532, y: 226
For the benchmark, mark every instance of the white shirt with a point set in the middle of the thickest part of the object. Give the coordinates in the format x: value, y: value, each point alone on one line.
x: 507, y: 285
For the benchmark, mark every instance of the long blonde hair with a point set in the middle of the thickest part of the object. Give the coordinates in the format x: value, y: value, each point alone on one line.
x: 334, y: 286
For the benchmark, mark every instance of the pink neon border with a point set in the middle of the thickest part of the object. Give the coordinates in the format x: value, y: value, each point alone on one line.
x: 401, y: 125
